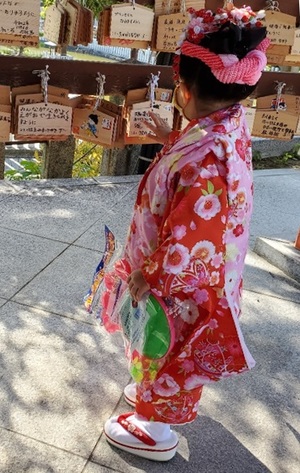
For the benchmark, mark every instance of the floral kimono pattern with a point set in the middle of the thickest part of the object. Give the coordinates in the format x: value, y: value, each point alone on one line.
x: 189, y: 236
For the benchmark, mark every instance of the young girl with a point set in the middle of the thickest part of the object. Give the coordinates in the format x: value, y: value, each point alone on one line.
x: 189, y: 232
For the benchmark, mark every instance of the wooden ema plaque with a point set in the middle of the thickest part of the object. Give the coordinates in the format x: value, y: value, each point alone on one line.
x: 279, y: 125
x: 280, y: 27
x: 131, y: 22
x: 43, y: 119
x: 5, y: 113
x: 165, y: 7
x: 103, y: 34
x: 169, y: 30
x: 19, y: 22
x: 52, y: 24
x: 294, y: 57
x: 93, y: 125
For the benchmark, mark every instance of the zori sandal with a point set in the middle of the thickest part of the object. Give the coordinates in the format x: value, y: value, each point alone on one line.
x: 130, y: 394
x: 151, y: 440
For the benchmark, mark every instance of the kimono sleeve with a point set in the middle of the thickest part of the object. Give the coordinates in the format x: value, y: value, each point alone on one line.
x: 191, y: 251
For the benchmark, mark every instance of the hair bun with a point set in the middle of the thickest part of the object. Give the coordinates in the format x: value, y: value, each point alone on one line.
x: 232, y: 39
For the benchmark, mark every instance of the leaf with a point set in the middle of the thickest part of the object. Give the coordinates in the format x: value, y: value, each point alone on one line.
x: 210, y: 187
x: 204, y: 192
x: 219, y: 192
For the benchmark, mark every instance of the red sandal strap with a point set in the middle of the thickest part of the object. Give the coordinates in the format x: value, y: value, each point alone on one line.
x: 134, y: 430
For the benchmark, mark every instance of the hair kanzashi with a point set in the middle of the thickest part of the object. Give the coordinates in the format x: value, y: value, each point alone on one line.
x: 222, y: 54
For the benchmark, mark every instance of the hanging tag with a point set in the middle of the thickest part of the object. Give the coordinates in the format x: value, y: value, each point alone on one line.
x: 4, y: 94
x: 19, y: 22
x: 52, y: 24
x: 5, y: 120
x: 249, y: 112
x: 277, y: 53
x: 43, y: 119
x: 165, y: 7
x: 280, y: 27
x: 169, y: 30
x: 93, y: 125
x: 131, y: 23
x: 5, y: 113
x: 296, y: 44
x: 140, y: 113
x: 277, y: 125
x: 276, y: 115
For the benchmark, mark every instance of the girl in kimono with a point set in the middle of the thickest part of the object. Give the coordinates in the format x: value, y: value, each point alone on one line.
x: 188, y: 237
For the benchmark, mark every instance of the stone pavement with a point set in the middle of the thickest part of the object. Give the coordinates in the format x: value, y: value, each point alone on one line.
x: 61, y: 377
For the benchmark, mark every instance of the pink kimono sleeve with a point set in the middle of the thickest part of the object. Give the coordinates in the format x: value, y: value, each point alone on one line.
x: 191, y: 251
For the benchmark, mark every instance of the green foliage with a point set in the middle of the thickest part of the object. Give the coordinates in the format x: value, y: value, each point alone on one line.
x: 287, y: 159
x: 45, y: 4
x: 98, y: 5
x: 293, y: 154
x: 256, y: 156
x: 32, y: 170
x: 87, y: 159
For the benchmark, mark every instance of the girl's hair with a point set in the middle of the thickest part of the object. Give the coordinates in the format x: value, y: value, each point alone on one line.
x: 230, y: 39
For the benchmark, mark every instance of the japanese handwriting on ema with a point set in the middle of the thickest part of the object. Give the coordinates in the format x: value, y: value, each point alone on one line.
x: 19, y: 19
x: 44, y: 119
x: 131, y: 24
x: 42, y: 112
x: 137, y: 122
x: 276, y: 32
x: 5, y: 118
x: 271, y: 126
x: 169, y: 31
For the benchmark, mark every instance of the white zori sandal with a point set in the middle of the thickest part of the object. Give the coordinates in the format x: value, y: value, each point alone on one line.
x: 130, y: 394
x: 152, y: 440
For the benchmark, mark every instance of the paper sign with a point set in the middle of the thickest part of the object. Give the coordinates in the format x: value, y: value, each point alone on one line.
x: 280, y: 27
x: 19, y: 18
x: 44, y: 119
x: 169, y: 30
x: 271, y: 124
x: 131, y: 22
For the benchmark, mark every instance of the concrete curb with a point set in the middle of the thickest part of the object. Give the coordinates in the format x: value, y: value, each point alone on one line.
x: 280, y: 253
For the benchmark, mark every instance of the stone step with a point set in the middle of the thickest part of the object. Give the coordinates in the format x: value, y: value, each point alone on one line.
x: 281, y: 254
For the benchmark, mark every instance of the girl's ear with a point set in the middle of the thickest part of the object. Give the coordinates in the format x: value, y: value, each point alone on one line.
x: 185, y: 92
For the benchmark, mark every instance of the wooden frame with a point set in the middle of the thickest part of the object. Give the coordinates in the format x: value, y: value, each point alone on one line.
x: 79, y: 77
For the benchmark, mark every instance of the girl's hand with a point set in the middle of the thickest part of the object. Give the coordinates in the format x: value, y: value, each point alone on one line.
x: 137, y: 285
x: 160, y: 128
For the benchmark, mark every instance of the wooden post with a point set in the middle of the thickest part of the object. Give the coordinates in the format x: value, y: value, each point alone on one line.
x: 58, y: 159
x: 120, y: 162
x: 2, y: 160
